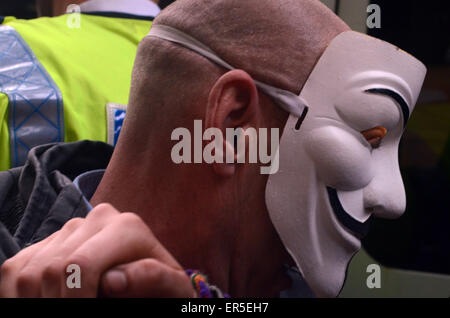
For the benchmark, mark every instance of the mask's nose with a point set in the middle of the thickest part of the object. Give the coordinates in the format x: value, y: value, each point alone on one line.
x: 385, y: 195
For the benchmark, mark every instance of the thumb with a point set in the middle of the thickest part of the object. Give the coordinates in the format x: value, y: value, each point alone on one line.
x: 146, y: 278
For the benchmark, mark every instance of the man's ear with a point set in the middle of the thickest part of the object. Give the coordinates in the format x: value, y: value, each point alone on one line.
x: 233, y: 103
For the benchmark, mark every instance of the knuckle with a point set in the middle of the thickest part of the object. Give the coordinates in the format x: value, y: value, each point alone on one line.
x: 133, y: 222
x: 27, y: 280
x: 102, y: 207
x: 131, y: 219
x: 83, y: 261
x: 7, y: 267
x: 149, y: 269
x: 72, y: 224
x: 86, y: 272
x: 54, y: 271
x: 101, y: 210
x: 150, y: 266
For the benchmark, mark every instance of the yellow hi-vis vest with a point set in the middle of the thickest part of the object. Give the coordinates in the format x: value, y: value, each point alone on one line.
x: 58, y: 81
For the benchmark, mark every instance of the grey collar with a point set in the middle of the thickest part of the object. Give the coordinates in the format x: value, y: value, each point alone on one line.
x: 87, y: 183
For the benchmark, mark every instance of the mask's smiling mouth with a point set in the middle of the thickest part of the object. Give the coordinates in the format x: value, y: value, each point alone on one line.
x: 359, y: 229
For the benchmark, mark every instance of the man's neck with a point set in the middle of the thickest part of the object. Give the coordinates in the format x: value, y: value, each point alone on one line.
x: 185, y: 233
x: 197, y: 235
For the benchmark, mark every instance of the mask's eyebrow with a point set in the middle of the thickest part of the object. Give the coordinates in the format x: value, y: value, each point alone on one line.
x: 394, y: 95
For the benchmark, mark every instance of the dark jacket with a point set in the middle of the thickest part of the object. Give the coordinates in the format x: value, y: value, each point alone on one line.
x: 40, y: 197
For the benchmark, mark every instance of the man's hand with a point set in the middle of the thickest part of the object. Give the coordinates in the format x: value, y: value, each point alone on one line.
x: 117, y: 253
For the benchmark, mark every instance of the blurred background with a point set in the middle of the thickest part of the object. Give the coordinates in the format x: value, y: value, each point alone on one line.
x: 414, y: 251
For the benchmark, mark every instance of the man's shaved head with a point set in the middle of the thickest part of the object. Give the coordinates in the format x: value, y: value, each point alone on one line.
x: 276, y: 42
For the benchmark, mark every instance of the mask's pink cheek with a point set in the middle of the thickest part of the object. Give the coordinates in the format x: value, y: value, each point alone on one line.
x: 342, y: 160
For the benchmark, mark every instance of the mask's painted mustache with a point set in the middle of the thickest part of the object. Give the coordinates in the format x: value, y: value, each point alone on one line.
x: 360, y: 229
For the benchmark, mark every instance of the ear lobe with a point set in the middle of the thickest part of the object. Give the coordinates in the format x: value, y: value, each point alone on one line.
x: 226, y: 169
x: 233, y: 103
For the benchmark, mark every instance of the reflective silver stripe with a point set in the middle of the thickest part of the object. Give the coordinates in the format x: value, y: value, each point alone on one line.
x: 35, y: 102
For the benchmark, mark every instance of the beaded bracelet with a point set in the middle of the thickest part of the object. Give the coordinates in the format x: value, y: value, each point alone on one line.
x: 203, y: 288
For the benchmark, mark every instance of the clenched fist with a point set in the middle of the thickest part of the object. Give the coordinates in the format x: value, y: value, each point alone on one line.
x: 117, y: 253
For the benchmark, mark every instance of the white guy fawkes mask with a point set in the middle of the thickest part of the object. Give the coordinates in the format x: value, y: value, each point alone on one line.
x: 330, y: 180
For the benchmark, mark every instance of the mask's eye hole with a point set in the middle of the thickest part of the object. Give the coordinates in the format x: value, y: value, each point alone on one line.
x: 374, y: 135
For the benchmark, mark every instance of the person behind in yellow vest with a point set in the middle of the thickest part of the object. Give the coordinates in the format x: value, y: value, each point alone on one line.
x: 64, y: 78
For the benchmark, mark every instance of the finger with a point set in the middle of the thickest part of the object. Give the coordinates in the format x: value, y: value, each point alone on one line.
x: 16, y: 281
x: 49, y: 263
x: 138, y: 242
x: 40, y: 268
x: 53, y: 278
x: 23, y: 256
x: 74, y: 233
x: 97, y: 219
x: 38, y: 276
x: 146, y: 278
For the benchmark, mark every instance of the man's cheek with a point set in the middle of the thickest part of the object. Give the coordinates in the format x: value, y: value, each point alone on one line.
x: 341, y: 160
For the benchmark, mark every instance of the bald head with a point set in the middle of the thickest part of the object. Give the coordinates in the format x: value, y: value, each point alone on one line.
x: 277, y: 43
